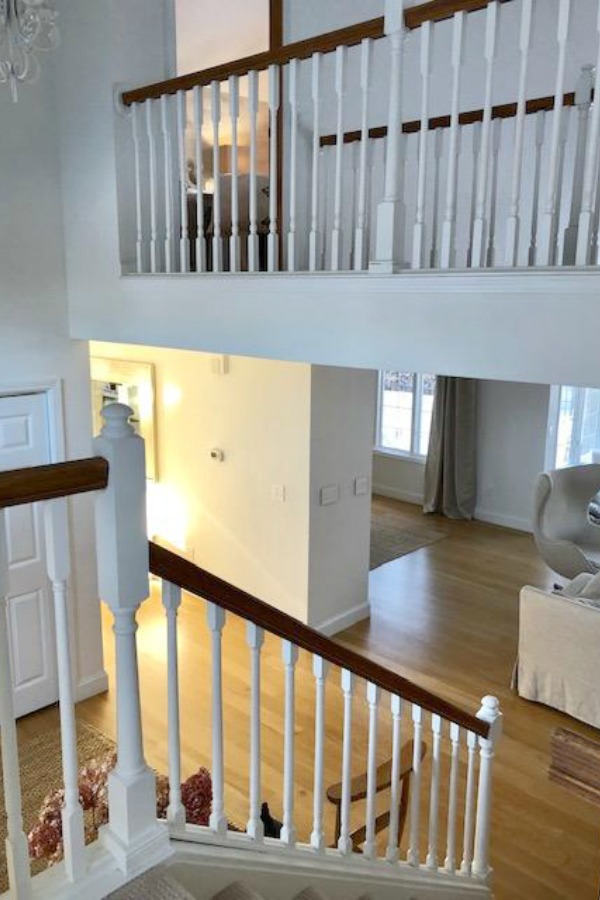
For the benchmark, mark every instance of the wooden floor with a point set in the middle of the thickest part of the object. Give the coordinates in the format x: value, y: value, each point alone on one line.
x: 445, y: 616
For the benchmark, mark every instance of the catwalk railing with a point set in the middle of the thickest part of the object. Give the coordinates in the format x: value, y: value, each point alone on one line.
x: 483, y: 154
x: 437, y: 752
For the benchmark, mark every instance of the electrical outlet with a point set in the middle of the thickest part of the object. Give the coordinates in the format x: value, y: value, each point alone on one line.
x: 361, y: 485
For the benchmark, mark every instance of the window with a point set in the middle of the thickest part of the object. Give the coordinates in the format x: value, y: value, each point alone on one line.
x: 404, y: 412
x: 574, y: 426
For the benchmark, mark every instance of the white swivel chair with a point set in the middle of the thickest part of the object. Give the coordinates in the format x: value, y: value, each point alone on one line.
x: 564, y: 535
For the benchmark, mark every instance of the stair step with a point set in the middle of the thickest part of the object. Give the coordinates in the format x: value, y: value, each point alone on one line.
x: 237, y: 891
x: 155, y: 884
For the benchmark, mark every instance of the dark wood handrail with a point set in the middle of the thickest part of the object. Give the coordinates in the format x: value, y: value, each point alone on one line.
x: 168, y: 565
x: 503, y: 111
x: 433, y: 11
x: 56, y: 480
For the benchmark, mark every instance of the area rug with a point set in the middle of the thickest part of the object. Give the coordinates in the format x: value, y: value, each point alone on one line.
x: 41, y: 772
x: 395, y: 533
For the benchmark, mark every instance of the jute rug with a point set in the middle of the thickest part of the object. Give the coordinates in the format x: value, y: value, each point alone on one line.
x: 41, y: 772
x: 395, y: 533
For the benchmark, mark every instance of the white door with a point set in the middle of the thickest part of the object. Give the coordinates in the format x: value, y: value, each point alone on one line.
x: 25, y: 441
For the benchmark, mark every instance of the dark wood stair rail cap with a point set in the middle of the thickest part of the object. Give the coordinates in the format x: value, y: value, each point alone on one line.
x: 55, y: 480
x: 433, y: 11
x: 189, y: 577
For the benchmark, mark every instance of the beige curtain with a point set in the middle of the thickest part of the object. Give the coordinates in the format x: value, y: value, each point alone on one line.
x: 450, y: 476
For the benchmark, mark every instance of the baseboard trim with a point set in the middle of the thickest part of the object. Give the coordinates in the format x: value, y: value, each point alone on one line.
x: 385, y: 490
x: 344, y: 619
x: 91, y: 685
x: 492, y: 518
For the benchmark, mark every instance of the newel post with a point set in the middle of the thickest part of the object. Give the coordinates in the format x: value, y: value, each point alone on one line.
x: 389, y: 236
x: 132, y: 833
x: 489, y: 712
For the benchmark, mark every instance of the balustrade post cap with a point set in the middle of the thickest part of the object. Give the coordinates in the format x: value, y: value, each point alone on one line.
x: 116, y: 420
x: 490, y: 712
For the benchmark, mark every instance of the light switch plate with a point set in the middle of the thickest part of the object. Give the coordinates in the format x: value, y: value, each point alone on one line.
x: 219, y: 365
x: 278, y: 493
x: 330, y: 493
x: 361, y: 485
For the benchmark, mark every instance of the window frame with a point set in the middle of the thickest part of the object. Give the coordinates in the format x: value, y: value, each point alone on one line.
x: 417, y: 406
x: 554, y: 404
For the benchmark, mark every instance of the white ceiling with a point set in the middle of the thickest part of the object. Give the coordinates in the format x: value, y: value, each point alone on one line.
x: 210, y: 32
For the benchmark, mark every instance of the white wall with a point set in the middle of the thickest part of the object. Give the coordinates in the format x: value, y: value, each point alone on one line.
x: 34, y: 343
x: 395, y: 476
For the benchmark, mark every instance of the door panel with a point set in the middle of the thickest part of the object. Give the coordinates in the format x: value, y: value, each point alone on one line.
x: 24, y: 441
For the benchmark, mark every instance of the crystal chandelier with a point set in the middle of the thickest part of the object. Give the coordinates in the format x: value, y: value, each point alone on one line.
x: 26, y: 26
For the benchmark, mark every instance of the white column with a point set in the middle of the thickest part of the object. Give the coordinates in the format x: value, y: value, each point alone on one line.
x: 272, y: 239
x: 290, y: 658
x: 583, y: 102
x: 293, y: 163
x: 469, y: 822
x: 152, y: 185
x: 392, y: 848
x: 315, y: 238
x: 489, y: 712
x: 419, y: 227
x: 336, y: 231
x: 253, y: 256
x: 448, y: 251
x: 218, y: 820
x: 590, y: 177
x: 215, y: 110
x: 166, y: 124
x: 413, y: 855
x: 197, y: 94
x: 255, y: 827
x: 389, y: 238
x: 320, y: 669
x: 17, y: 852
x: 450, y: 861
x: 184, y: 240
x: 171, y: 599
x: 370, y: 849
x: 122, y: 552
x: 56, y: 530
x: 434, y: 796
x: 360, y: 234
x: 344, y: 842
x: 540, y: 128
x: 234, y: 115
x: 136, y: 114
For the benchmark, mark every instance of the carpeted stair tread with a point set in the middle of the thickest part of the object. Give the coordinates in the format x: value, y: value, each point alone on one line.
x: 156, y: 884
x: 237, y: 891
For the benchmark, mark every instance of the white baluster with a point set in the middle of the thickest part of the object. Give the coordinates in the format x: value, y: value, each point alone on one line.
x: 595, y: 258
x: 469, y: 823
x: 255, y: 827
x: 495, y: 167
x: 253, y: 254
x: 546, y: 255
x: 564, y: 137
x: 583, y: 101
x: 450, y: 861
x: 438, y: 146
x: 171, y: 600
x: 320, y: 670
x: 419, y: 229
x: 184, y: 238
x: 513, y: 221
x: 315, y: 237
x: 491, y: 31
x: 122, y: 553
x: 489, y: 712
x: 17, y: 852
x: 234, y: 114
x: 344, y: 841
x: 415, y: 797
x: 540, y: 128
x: 434, y: 795
x: 370, y: 848
x: 168, y: 180
x: 392, y: 852
x: 475, y: 151
x: 389, y: 238
x: 590, y: 177
x: 360, y: 236
x: 198, y: 123
x: 56, y: 530
x: 336, y: 231
x: 290, y: 658
x: 152, y: 185
x: 216, y: 621
x: 273, y: 240
x: 215, y: 109
x: 139, y: 235
x: 293, y: 172
x: 448, y: 253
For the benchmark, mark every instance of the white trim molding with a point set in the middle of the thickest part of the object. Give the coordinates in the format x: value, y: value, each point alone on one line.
x: 343, y: 620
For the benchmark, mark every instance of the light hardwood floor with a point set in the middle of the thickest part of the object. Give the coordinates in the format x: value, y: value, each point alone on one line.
x: 445, y: 616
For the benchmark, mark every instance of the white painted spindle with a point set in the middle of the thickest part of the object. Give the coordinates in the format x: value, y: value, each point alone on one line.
x: 450, y: 861
x: 583, y: 102
x: 253, y: 248
x: 216, y: 621
x: 479, y: 231
x: 413, y: 856
x: 475, y: 151
x: 320, y: 670
x: 448, y: 252
x: 171, y: 600
x: 513, y: 221
x: 293, y: 171
x: 314, y: 240
x: 184, y: 239
x: 215, y: 109
x: 234, y: 115
x: 136, y: 113
x: 360, y: 236
x: 419, y: 228
x: 540, y: 128
x: 198, y: 101
x: 56, y: 531
x: 490, y: 256
x: 290, y: 658
x: 273, y: 240
x: 490, y: 713
x: 255, y: 827
x: 590, y: 177
x: 392, y: 851
x: 17, y: 852
x: 370, y: 847
x: 152, y: 174
x: 546, y: 255
x: 434, y: 794
x: 438, y: 146
x: 336, y: 231
x: 165, y: 120
x: 344, y: 841
x: 469, y: 821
